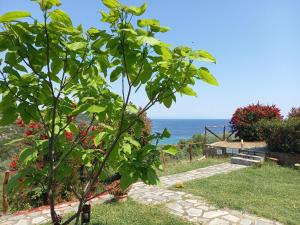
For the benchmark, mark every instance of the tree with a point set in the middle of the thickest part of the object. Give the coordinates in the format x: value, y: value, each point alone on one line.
x: 53, y: 72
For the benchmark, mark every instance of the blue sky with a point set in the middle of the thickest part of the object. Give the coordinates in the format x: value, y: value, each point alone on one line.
x: 256, y: 43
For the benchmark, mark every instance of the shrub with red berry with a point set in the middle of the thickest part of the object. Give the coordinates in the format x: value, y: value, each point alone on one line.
x: 244, y: 120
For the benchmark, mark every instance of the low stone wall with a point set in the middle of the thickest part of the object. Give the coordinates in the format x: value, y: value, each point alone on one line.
x: 214, y: 150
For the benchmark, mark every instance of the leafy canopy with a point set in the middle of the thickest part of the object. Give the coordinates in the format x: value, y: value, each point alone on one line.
x: 53, y: 72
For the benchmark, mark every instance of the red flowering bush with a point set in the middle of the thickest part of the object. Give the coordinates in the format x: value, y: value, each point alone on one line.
x: 244, y: 120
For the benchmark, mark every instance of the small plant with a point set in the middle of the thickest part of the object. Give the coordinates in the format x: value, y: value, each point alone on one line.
x: 244, y: 120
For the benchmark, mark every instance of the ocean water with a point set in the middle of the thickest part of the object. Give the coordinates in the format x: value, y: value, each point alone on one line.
x: 185, y: 128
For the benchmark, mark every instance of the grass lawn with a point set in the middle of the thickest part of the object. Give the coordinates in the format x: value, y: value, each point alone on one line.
x: 178, y: 166
x: 270, y: 191
x: 132, y: 213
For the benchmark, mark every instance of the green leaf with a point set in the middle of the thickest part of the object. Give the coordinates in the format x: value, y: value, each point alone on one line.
x: 48, y: 4
x: 111, y: 3
x: 206, y: 76
x: 166, y: 133
x: 115, y: 74
x: 73, y: 127
x: 13, y: 16
x: 96, y: 109
x: 9, y: 116
x: 170, y: 149
x: 188, y: 91
x: 77, y: 45
x: 205, y: 56
x: 148, y: 22
x: 184, y: 51
x: 4, y: 43
x: 146, y: 73
x: 61, y: 17
x: 132, y: 141
x: 99, y: 138
x: 152, y: 177
x: 136, y: 10
x: 163, y: 29
x: 148, y: 40
x: 153, y: 24
x: 56, y: 129
x: 127, y: 177
x: 127, y: 148
x: 164, y: 52
x: 128, y: 30
x: 14, y: 141
x: 93, y: 31
x: 167, y: 101
x: 56, y: 66
x: 14, y: 182
x: 80, y: 109
x: 27, y: 155
x: 132, y: 109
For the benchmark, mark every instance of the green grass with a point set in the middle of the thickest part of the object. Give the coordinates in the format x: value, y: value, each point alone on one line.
x: 178, y: 166
x: 270, y: 191
x: 132, y: 213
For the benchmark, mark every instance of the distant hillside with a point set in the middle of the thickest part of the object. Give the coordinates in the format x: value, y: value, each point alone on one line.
x: 8, y: 133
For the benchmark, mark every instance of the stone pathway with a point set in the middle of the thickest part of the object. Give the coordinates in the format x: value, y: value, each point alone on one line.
x: 194, y: 208
x: 170, y: 180
x: 190, y: 207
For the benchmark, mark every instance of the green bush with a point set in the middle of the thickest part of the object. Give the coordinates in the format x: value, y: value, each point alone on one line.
x: 281, y: 135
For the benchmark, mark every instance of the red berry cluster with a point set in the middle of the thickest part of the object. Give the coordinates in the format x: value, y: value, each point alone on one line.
x: 86, y: 135
x: 13, y: 164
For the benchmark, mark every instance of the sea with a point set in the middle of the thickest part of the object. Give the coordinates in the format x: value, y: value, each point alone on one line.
x: 186, y: 128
